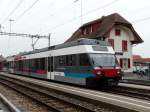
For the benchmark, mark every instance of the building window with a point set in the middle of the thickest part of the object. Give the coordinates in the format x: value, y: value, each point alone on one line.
x: 87, y: 30
x: 125, y: 63
x: 111, y: 42
x: 124, y: 46
x: 117, y: 32
x: 84, y: 31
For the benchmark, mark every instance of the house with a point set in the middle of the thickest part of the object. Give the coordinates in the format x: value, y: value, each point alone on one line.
x: 117, y: 31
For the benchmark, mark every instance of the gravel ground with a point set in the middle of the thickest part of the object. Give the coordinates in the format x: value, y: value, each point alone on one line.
x: 23, y: 103
x: 97, y: 108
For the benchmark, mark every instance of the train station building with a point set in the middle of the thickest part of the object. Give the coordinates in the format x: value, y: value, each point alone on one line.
x: 117, y: 31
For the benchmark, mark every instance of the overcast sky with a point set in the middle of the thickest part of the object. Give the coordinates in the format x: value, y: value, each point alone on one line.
x: 62, y: 17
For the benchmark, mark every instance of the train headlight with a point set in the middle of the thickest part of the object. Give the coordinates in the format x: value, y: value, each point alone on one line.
x: 97, y: 68
x: 99, y: 73
x: 118, y: 72
x: 117, y: 67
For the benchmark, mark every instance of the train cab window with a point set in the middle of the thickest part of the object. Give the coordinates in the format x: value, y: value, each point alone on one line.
x: 84, y: 60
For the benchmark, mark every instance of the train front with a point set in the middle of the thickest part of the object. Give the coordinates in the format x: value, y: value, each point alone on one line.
x: 105, y: 69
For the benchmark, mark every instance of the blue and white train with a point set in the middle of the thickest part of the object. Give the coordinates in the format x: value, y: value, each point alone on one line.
x: 84, y: 62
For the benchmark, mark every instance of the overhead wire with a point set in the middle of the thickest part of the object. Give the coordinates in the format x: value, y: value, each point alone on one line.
x: 89, y: 12
x: 94, y: 10
x: 25, y: 11
x: 104, y: 6
x: 56, y: 12
x: 61, y: 9
x: 13, y: 11
x: 140, y: 20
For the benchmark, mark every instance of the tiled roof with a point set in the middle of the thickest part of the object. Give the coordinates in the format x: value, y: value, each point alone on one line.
x: 139, y: 59
x: 107, y: 22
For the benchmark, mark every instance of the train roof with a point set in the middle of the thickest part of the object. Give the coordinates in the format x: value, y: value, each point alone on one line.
x: 81, y: 41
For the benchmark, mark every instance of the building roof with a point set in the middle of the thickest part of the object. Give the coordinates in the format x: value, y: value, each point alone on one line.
x: 139, y: 59
x: 106, y: 24
x: 142, y: 60
x: 136, y: 57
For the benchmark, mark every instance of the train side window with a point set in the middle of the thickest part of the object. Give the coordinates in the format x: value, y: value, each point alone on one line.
x: 61, y: 60
x: 32, y: 64
x: 20, y: 64
x: 25, y: 64
x: 84, y: 60
x: 42, y: 63
x: 36, y: 62
x: 70, y: 60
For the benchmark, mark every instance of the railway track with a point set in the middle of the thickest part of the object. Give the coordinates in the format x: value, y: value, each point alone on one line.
x: 49, y: 98
x: 112, y: 102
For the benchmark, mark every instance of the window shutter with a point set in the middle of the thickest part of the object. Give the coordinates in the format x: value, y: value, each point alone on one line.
x: 117, y: 32
x: 129, y: 64
x: 121, y: 62
x: 124, y: 45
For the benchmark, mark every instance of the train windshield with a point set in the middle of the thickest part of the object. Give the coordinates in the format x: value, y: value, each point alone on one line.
x: 103, y: 60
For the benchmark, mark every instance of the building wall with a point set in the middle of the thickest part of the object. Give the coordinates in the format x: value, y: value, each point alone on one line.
x: 125, y: 34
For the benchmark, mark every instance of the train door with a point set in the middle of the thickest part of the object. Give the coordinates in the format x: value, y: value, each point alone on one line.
x: 50, y: 68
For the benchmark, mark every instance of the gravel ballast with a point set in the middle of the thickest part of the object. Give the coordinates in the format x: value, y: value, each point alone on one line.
x: 21, y: 102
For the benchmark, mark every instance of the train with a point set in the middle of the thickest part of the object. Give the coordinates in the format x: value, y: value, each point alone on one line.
x: 86, y: 62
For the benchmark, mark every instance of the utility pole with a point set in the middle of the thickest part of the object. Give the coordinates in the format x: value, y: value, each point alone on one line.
x: 0, y: 27
x: 49, y: 40
x: 10, y: 21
